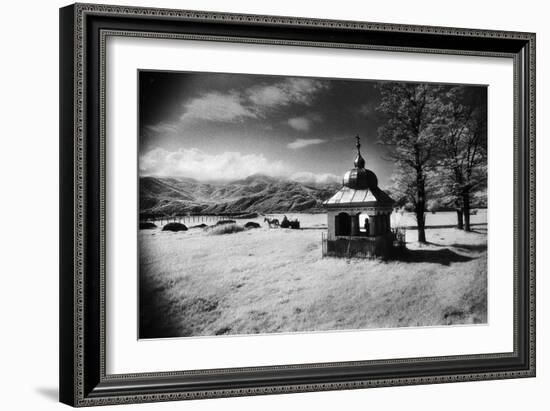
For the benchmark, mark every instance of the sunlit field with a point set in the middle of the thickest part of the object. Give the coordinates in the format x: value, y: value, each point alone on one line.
x: 197, y: 283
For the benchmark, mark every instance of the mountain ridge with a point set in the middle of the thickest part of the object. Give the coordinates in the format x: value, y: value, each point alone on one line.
x: 256, y: 193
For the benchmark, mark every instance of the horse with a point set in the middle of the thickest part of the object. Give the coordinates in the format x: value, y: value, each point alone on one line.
x: 271, y: 222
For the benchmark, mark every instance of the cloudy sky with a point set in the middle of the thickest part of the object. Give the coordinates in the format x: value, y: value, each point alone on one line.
x: 212, y: 126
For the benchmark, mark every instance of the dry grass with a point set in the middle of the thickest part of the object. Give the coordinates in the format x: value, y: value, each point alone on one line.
x: 265, y: 281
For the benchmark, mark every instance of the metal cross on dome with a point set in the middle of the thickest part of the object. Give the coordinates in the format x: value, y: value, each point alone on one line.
x: 359, y: 161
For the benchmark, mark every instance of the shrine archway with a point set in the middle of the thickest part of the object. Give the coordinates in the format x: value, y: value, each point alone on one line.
x: 343, y: 224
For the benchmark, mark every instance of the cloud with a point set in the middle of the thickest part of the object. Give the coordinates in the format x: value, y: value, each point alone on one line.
x: 238, y: 105
x: 227, y: 166
x: 199, y: 165
x: 308, y: 177
x: 163, y: 128
x: 286, y: 92
x: 304, y: 123
x: 214, y: 106
x: 299, y: 123
x: 304, y: 142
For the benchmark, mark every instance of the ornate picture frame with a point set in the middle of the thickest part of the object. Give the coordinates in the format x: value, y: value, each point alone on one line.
x: 84, y: 30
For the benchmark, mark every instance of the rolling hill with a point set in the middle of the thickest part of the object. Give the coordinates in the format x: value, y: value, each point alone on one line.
x: 256, y: 193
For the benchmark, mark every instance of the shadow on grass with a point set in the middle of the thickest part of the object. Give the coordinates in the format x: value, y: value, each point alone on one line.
x: 443, y: 257
x: 414, y: 227
x: 470, y: 247
x: 478, y: 248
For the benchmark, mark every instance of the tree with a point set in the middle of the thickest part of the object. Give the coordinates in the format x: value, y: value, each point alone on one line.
x: 463, y: 149
x: 412, y: 114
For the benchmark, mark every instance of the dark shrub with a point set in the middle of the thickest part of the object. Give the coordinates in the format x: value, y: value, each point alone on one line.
x: 146, y: 225
x: 174, y: 227
x: 251, y: 224
x: 200, y: 225
x: 221, y: 222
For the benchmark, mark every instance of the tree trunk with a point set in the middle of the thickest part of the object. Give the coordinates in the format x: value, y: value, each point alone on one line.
x: 420, y: 206
x: 466, y: 208
x: 460, y: 219
x: 420, y: 223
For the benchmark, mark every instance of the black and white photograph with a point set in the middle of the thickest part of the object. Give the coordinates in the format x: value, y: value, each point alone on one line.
x: 280, y: 204
x: 287, y: 205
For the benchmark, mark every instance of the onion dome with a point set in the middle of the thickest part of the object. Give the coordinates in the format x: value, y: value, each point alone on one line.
x: 360, y: 178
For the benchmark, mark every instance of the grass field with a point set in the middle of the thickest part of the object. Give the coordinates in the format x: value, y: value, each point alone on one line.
x: 270, y: 281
